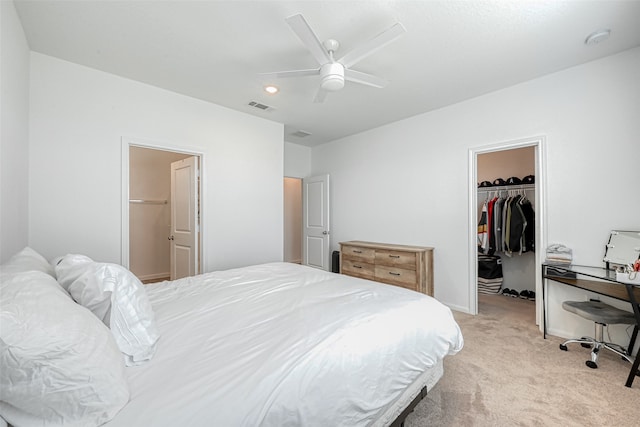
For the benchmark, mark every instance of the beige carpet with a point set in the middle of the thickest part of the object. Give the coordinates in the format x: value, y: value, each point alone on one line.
x: 508, y: 375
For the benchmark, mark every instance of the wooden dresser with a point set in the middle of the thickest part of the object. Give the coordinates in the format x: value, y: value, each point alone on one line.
x: 408, y: 266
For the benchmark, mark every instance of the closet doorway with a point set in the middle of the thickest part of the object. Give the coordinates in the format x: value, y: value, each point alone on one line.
x: 161, y: 213
x: 502, y: 169
x: 293, y: 220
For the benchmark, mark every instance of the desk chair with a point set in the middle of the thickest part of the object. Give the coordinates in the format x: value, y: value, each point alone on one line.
x: 602, y: 314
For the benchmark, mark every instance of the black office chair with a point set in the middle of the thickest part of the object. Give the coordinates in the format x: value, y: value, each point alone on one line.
x: 602, y: 314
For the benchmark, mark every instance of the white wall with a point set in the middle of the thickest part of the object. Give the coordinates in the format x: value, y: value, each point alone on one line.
x: 407, y: 182
x: 297, y: 160
x: 78, y: 117
x: 14, y: 133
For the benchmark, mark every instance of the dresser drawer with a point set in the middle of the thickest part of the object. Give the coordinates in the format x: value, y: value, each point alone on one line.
x: 396, y: 276
x: 358, y: 268
x: 410, y: 267
x: 359, y: 253
x: 401, y: 259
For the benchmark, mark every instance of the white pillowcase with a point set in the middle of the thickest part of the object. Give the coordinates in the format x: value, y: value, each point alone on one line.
x: 28, y: 260
x: 60, y: 365
x: 83, y: 287
x: 116, y: 297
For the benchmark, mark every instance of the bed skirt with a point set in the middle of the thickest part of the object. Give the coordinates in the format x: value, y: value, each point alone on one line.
x: 427, y: 379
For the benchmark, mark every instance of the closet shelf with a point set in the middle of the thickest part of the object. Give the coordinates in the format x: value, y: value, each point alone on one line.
x: 508, y: 187
x: 148, y: 202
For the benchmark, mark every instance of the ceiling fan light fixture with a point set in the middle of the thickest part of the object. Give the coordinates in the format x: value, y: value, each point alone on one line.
x: 333, y: 73
x: 332, y: 76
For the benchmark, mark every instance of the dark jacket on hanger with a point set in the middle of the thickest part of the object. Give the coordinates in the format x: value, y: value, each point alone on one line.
x: 530, y: 229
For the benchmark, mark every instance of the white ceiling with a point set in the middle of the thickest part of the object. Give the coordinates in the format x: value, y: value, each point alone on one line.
x: 214, y: 50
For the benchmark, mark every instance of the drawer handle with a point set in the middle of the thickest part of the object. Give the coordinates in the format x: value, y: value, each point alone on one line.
x: 357, y: 266
x: 394, y: 274
x: 357, y: 252
x: 394, y: 256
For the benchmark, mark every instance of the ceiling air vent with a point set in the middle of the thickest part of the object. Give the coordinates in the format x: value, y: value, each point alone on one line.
x: 300, y: 133
x: 260, y: 106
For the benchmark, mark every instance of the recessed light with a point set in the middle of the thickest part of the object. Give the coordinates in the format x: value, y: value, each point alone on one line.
x: 597, y: 37
x: 271, y: 89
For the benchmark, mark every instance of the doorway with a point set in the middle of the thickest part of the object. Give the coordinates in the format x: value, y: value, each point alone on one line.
x: 148, y: 212
x: 535, y: 148
x: 293, y: 220
x: 306, y: 221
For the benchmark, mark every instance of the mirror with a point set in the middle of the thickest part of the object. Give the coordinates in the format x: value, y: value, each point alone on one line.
x: 623, y: 248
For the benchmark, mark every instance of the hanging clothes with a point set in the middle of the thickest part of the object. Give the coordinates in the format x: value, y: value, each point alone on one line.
x: 482, y: 229
x: 529, y: 234
x: 491, y: 244
x: 497, y: 223
x: 517, y: 224
x: 506, y: 224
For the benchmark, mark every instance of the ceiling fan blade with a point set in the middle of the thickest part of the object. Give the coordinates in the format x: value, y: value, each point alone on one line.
x: 292, y: 73
x: 364, y: 78
x: 308, y: 37
x: 373, y: 45
x: 320, y: 96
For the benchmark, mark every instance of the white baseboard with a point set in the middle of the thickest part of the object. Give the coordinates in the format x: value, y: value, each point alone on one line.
x: 456, y: 307
x: 154, y: 276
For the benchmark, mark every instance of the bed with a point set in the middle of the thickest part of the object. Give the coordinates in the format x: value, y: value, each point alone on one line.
x: 281, y: 344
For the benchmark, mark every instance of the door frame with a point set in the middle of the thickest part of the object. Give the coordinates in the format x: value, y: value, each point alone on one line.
x: 128, y: 142
x: 539, y: 144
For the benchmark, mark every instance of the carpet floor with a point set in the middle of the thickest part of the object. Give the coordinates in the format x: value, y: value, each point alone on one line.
x: 508, y: 375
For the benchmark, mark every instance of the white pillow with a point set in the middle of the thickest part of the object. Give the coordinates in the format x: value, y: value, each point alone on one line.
x: 72, y: 270
x: 28, y: 260
x: 60, y: 365
x: 116, y: 297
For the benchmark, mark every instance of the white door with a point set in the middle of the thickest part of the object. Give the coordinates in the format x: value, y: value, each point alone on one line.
x: 315, y: 222
x: 184, y: 218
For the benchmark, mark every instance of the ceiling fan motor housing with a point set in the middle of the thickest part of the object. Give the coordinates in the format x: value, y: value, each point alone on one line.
x: 332, y: 76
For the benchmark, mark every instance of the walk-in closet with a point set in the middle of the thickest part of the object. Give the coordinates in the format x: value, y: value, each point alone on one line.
x: 506, y: 237
x: 150, y: 211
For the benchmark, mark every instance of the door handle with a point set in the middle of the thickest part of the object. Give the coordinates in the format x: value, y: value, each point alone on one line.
x: 325, y: 232
x: 170, y: 237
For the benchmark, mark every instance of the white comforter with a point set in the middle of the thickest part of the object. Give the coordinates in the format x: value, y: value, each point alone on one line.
x: 283, y: 345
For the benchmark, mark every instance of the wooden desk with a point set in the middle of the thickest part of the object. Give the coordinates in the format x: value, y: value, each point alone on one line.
x: 600, y: 281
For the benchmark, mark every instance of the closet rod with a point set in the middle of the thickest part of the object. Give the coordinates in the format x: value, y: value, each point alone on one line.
x: 508, y: 187
x: 148, y: 202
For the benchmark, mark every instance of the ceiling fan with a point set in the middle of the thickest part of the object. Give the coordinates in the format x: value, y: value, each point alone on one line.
x: 333, y: 73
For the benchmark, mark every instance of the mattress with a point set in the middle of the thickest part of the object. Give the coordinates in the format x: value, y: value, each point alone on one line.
x: 281, y: 344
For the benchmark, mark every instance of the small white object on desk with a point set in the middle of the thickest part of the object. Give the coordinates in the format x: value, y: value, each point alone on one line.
x: 633, y: 278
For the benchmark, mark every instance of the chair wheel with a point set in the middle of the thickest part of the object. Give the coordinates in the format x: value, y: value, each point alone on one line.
x: 585, y: 345
x: 591, y: 364
x: 563, y: 347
